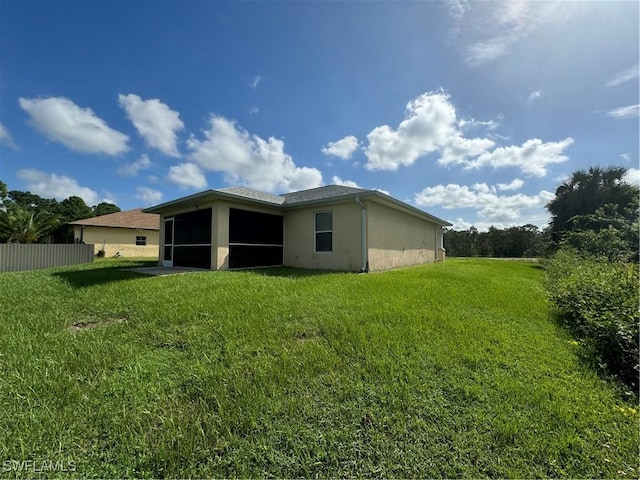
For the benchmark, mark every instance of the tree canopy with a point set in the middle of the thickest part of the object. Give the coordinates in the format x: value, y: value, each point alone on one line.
x: 26, y: 217
x: 26, y: 226
x: 586, y: 192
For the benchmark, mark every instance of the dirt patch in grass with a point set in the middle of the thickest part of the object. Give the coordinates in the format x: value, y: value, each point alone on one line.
x: 312, y: 336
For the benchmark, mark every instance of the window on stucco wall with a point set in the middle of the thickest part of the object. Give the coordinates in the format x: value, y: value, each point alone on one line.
x: 323, y: 232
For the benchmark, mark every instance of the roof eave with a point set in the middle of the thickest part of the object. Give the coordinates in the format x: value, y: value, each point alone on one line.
x: 208, y: 194
x: 371, y: 194
x: 411, y: 208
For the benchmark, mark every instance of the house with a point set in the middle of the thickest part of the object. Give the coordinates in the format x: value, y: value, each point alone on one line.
x: 132, y: 233
x: 332, y: 227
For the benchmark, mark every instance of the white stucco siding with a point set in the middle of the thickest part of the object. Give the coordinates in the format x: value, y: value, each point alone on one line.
x: 398, y: 239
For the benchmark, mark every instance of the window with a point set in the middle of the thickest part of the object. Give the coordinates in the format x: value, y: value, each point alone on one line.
x: 324, y: 231
x: 141, y: 241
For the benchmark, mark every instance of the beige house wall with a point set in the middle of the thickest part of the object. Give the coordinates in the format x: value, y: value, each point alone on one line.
x: 121, y: 240
x: 398, y: 239
x: 299, y: 238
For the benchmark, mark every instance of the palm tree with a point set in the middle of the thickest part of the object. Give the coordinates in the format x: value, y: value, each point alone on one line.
x: 19, y: 225
x: 587, y: 191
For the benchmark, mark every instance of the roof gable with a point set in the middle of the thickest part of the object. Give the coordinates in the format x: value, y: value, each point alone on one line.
x: 128, y: 219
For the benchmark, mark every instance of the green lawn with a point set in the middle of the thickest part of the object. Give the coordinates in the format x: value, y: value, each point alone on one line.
x: 444, y: 370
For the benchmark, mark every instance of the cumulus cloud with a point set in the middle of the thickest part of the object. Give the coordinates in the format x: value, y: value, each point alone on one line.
x: 50, y: 185
x: 430, y: 125
x: 346, y: 183
x: 491, y: 206
x: 625, y: 112
x: 515, y: 184
x: 132, y: 169
x: 79, y: 129
x: 6, y: 138
x: 148, y: 196
x: 154, y: 121
x: 343, y: 148
x: 633, y: 176
x: 249, y: 159
x: 532, y: 157
x: 187, y: 175
x: 624, y: 76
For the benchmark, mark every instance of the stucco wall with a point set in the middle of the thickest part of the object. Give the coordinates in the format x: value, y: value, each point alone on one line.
x: 397, y: 239
x: 299, y: 235
x: 121, y: 240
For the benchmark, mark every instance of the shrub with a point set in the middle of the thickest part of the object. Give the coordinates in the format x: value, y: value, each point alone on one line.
x: 101, y: 254
x: 598, y: 301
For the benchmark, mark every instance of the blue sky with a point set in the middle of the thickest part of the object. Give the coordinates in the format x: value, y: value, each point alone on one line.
x: 472, y: 111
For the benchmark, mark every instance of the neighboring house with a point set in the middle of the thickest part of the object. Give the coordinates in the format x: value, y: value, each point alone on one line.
x: 132, y: 233
x: 332, y: 227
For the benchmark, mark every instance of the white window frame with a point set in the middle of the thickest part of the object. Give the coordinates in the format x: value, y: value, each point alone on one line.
x: 316, y: 232
x: 141, y: 244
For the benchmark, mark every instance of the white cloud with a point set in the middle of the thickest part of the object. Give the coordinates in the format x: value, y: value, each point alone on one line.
x: 254, y: 111
x: 625, y: 156
x: 347, y: 183
x: 625, y: 112
x: 256, y: 81
x: 535, y: 94
x: 61, y: 120
x: 531, y: 158
x: 515, y: 184
x: 633, y: 176
x: 473, y: 123
x: 491, y: 206
x: 624, y: 76
x: 154, y: 121
x: 343, y: 148
x: 489, y: 30
x: 50, y: 185
x: 430, y: 125
x: 148, y: 196
x: 132, y: 169
x: 249, y: 159
x: 187, y: 175
x: 6, y: 138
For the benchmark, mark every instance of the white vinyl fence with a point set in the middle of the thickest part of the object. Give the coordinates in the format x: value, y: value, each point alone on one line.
x: 18, y: 256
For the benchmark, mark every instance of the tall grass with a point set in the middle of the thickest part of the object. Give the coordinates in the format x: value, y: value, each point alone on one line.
x: 443, y: 370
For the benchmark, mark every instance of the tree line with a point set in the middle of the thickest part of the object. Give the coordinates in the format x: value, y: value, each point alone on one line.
x: 514, y: 242
x: 28, y: 218
x: 594, y: 212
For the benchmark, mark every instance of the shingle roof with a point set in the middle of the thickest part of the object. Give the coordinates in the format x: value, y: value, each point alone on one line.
x: 252, y: 194
x: 320, y: 193
x: 128, y: 219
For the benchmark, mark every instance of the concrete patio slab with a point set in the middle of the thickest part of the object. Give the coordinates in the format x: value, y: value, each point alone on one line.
x: 165, y: 271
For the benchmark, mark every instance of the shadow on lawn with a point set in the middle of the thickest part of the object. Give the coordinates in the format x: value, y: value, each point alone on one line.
x: 98, y: 276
